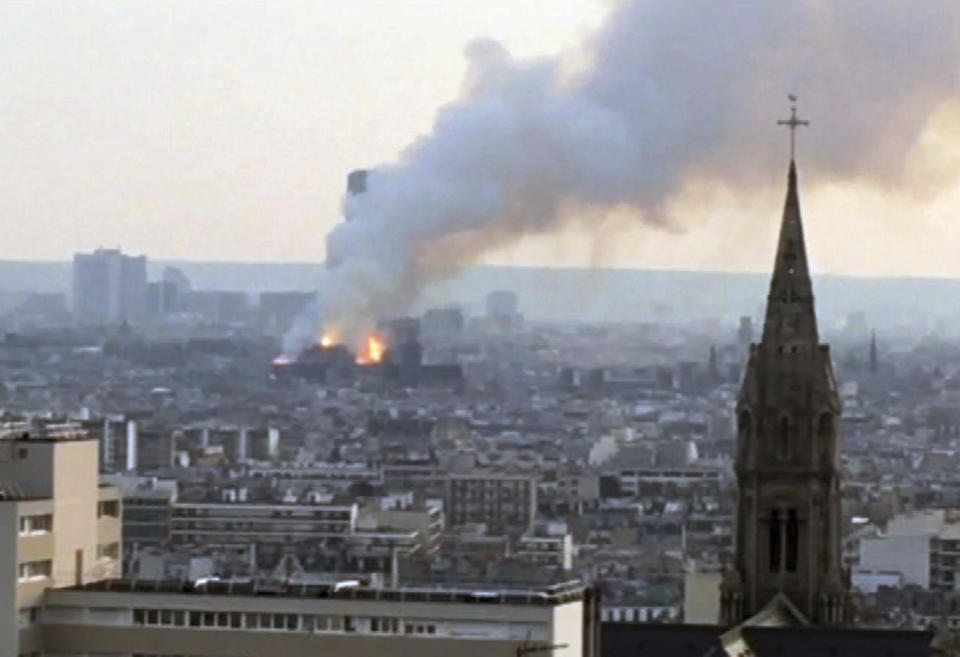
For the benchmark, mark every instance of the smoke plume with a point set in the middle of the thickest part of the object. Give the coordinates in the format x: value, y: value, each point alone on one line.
x: 664, y: 93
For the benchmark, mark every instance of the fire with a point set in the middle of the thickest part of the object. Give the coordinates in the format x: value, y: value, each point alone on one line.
x: 328, y: 340
x: 372, y: 351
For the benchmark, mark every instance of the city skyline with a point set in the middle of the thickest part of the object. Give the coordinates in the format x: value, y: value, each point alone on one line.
x: 159, y: 131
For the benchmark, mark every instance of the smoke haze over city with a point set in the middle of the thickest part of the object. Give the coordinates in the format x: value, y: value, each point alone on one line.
x: 232, y: 143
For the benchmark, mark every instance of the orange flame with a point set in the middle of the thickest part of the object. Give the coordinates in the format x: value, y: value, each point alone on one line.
x: 328, y: 340
x: 373, y: 350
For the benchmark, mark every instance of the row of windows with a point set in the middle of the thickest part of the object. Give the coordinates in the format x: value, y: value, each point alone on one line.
x: 279, y: 622
x: 222, y: 525
x: 31, y: 570
x: 243, y: 511
x: 38, y: 524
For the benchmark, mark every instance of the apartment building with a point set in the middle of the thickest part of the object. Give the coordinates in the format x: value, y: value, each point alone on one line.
x: 546, y: 549
x: 58, y: 528
x: 503, y: 502
x: 236, y: 522
x: 923, y: 547
x: 114, y: 619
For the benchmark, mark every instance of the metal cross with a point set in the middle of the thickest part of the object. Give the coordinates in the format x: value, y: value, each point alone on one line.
x: 793, y: 122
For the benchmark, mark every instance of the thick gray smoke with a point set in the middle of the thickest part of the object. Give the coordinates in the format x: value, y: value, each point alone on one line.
x: 663, y: 94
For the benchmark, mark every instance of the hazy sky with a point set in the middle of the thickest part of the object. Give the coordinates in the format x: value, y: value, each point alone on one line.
x: 224, y: 131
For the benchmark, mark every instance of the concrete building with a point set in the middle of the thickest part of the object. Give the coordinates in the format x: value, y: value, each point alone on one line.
x: 546, y: 548
x: 923, y: 547
x: 503, y: 502
x: 109, y: 287
x: 247, y: 620
x: 58, y: 528
x: 236, y: 523
x: 147, y: 503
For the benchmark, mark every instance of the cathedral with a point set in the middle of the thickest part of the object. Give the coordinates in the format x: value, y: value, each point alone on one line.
x: 788, y: 526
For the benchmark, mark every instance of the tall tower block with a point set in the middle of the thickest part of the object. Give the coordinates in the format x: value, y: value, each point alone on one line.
x: 788, y: 523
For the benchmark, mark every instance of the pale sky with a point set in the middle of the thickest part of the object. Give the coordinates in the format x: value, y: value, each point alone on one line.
x: 216, y: 130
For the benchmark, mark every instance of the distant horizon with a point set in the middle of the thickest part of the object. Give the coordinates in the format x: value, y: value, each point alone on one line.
x: 457, y: 269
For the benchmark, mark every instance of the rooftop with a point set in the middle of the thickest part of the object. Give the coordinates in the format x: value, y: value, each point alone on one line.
x: 485, y: 593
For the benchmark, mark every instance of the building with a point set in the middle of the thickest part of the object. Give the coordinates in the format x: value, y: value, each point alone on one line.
x: 549, y: 546
x: 147, y: 503
x: 298, y: 620
x: 125, y: 445
x: 162, y: 298
x: 503, y: 502
x: 109, y: 287
x: 58, y: 528
x: 442, y: 326
x: 922, y: 547
x: 788, y: 527
x: 502, y: 310
x: 238, y: 523
x: 218, y: 306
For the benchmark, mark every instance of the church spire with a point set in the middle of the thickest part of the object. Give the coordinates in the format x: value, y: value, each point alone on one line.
x: 788, y: 531
x: 790, y: 312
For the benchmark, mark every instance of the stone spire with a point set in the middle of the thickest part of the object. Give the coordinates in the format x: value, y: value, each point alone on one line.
x: 788, y: 530
x: 791, y: 317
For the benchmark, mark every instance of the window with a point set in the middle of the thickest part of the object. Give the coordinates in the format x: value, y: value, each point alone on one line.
x: 236, y: 619
x: 138, y: 616
x: 29, y: 616
x: 108, y: 551
x: 792, y: 541
x: 110, y: 508
x: 35, y: 570
x: 39, y: 524
x: 152, y: 617
x: 166, y: 617
x: 774, y: 539
x: 195, y: 618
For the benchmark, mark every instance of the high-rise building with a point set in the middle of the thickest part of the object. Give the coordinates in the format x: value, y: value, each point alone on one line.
x: 788, y: 522
x: 502, y: 310
x: 58, y: 528
x: 109, y: 287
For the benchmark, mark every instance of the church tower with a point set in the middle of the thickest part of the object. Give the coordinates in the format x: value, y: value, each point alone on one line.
x: 788, y: 523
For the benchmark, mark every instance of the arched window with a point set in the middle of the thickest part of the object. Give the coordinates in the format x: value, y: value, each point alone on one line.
x: 783, y: 440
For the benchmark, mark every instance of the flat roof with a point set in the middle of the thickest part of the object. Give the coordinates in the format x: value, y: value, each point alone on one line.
x: 485, y: 593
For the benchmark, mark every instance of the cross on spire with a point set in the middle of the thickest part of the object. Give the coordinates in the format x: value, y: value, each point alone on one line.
x: 793, y: 123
